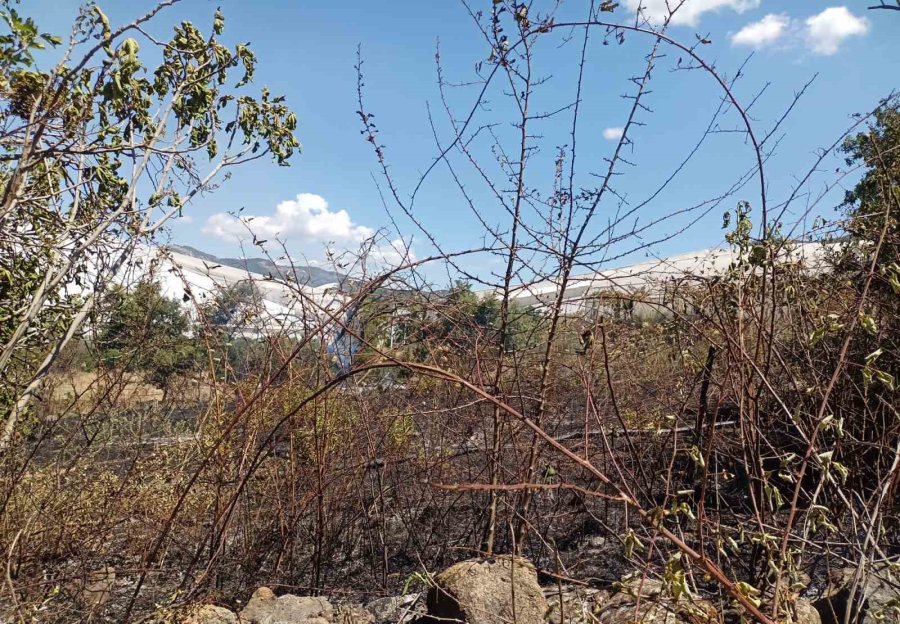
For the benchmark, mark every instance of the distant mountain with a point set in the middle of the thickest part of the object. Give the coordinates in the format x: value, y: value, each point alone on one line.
x: 309, y: 275
x: 193, y: 253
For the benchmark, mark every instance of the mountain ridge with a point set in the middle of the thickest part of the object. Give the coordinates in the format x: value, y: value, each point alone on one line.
x: 302, y: 274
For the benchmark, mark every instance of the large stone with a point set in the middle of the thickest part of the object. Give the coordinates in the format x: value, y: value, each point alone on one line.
x: 875, y: 602
x: 645, y: 601
x: 266, y: 608
x: 211, y: 614
x: 805, y: 613
x: 501, y: 590
x: 574, y: 605
x: 396, y: 609
x: 353, y: 614
x: 98, y: 587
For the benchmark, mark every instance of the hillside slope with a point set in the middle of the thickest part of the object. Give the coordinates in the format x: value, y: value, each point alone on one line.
x: 303, y: 274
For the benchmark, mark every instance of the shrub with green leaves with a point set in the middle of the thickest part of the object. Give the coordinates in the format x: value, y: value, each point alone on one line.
x: 100, y: 151
x: 147, y: 332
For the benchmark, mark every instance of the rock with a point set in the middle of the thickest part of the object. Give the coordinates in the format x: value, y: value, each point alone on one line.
x: 488, y: 591
x: 625, y: 609
x: 595, y: 542
x: 353, y: 614
x: 262, y: 594
x: 211, y: 614
x: 805, y: 613
x: 653, y: 611
x: 396, y: 609
x: 876, y: 602
x: 640, y: 586
x: 645, y: 601
x: 98, y: 587
x: 575, y: 605
x: 265, y: 608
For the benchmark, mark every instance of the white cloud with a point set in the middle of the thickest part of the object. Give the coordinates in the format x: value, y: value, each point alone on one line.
x: 306, y: 219
x: 690, y: 11
x: 827, y: 30
x: 613, y: 134
x: 765, y: 32
x: 308, y: 226
x: 391, y: 254
x: 373, y: 256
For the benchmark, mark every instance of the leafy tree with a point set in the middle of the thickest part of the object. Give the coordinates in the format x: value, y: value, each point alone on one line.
x: 457, y: 320
x: 470, y: 314
x: 873, y: 208
x: 232, y: 305
x: 147, y: 332
x: 876, y: 196
x: 97, y: 155
x: 230, y: 309
x: 867, y: 394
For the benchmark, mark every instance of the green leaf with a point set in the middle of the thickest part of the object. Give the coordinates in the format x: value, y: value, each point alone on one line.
x: 825, y: 457
x: 874, y: 355
x: 868, y: 324
x: 748, y: 591
x: 697, y: 456
x: 218, y: 22
x: 632, y: 543
x: 101, y: 16
x: 817, y: 336
x: 130, y: 49
x: 886, y: 379
x: 892, y: 272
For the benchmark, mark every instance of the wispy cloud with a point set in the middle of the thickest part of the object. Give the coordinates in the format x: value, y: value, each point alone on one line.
x: 613, y: 134
x: 392, y: 253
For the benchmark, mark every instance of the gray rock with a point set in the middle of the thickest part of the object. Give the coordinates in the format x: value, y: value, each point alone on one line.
x: 575, y: 605
x: 211, y: 614
x: 805, y: 613
x: 624, y: 609
x: 875, y: 602
x: 645, y: 601
x: 595, y: 542
x: 396, y: 609
x: 488, y: 591
x: 640, y: 586
x: 98, y: 587
x: 265, y: 608
x: 353, y: 614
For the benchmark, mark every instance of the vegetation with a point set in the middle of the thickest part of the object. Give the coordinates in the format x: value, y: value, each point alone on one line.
x: 733, y: 434
x: 83, y: 141
x: 869, y: 203
x: 140, y: 317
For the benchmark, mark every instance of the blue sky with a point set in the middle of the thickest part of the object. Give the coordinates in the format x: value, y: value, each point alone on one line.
x: 307, y: 51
